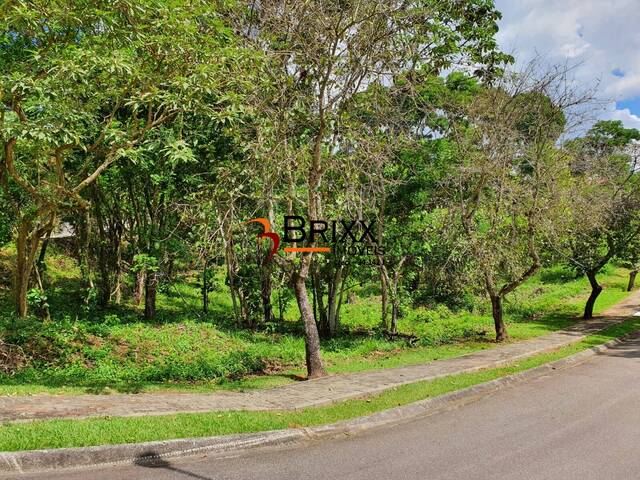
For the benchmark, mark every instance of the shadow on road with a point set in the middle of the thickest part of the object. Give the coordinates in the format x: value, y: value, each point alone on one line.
x: 628, y: 349
x: 150, y: 459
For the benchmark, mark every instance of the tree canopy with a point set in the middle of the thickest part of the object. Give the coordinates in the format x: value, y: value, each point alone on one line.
x: 155, y: 130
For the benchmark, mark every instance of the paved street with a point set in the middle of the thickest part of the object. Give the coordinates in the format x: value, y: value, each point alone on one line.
x: 579, y: 423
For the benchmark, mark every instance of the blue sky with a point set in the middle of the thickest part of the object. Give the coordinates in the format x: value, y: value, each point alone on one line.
x: 601, y: 36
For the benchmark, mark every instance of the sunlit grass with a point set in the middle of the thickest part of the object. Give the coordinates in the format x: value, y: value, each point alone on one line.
x: 114, y: 350
x: 102, y: 431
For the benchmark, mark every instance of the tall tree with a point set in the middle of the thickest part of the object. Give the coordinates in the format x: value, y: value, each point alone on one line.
x: 325, y: 53
x: 508, y: 189
x: 605, y: 198
x: 84, y: 82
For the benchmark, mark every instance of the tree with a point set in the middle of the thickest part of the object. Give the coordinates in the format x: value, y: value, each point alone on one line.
x: 631, y: 258
x: 325, y: 53
x: 608, y: 136
x: 605, y: 197
x: 507, y: 191
x: 411, y: 209
x: 83, y: 84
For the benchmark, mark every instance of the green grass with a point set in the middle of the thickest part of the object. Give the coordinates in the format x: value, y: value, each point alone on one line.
x: 101, y: 431
x: 113, y: 350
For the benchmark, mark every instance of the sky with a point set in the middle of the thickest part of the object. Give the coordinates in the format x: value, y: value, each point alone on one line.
x: 601, y: 36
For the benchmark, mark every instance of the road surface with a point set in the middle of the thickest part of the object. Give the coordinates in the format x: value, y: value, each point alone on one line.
x: 579, y: 423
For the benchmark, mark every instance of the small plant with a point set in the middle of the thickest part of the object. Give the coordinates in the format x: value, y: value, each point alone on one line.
x: 37, y: 299
x: 89, y: 301
x: 144, y: 262
x: 111, y: 320
x: 271, y: 327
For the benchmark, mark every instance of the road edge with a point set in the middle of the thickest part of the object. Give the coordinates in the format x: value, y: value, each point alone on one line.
x: 34, y: 461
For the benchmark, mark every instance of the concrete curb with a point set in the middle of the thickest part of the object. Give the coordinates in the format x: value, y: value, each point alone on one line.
x: 148, y: 452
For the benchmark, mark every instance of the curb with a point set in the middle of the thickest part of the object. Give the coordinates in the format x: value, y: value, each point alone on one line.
x: 75, y: 458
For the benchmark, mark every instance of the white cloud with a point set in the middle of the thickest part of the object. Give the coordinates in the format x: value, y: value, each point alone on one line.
x: 573, y: 50
x: 602, y: 36
x: 629, y: 119
x: 627, y: 86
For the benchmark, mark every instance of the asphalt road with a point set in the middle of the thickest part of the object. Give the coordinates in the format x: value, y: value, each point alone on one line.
x: 579, y: 423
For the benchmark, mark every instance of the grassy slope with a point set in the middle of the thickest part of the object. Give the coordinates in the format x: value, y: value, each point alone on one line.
x: 100, y: 431
x: 185, y: 350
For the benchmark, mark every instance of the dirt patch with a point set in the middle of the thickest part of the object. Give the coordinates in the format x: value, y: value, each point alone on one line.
x: 12, y: 358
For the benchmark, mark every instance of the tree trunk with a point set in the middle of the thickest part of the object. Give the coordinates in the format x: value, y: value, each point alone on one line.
x: 141, y: 280
x: 41, y: 265
x: 170, y: 262
x: 22, y: 274
x: 118, y: 274
x: 245, y: 313
x: 300, y: 274
x: 320, y: 311
x: 105, y: 276
x: 384, y: 292
x: 265, y: 291
x: 340, y: 299
x: 265, y: 269
x: 334, y: 300
x: 595, y: 291
x: 231, y: 263
x: 280, y: 306
x: 314, y: 304
x: 632, y: 280
x: 312, y: 339
x: 104, y: 253
x: 84, y: 236
x: 27, y: 245
x: 498, y: 319
x: 395, y: 302
x: 26, y: 248
x: 395, y: 296
x: 151, y: 288
x: 205, y: 288
x: 235, y: 302
x: 395, y: 311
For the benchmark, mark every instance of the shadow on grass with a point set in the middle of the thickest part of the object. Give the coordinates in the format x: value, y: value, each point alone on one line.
x: 90, y: 387
x: 557, y: 276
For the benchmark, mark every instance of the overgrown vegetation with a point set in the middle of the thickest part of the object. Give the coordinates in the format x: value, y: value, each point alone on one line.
x: 158, y: 155
x: 93, y: 350
x: 101, y: 431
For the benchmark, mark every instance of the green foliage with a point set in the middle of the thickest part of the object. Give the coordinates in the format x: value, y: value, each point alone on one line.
x: 539, y: 117
x: 152, y: 130
x: 37, y: 298
x: 608, y: 135
x: 605, y: 197
x: 114, y: 349
x: 101, y: 431
x: 144, y: 262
